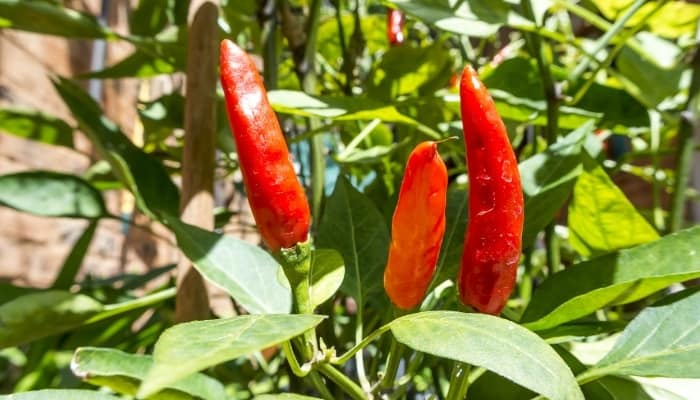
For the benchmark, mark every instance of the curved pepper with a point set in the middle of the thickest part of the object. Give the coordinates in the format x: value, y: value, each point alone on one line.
x: 276, y: 197
x: 394, y: 26
x: 417, y: 227
x: 494, y: 232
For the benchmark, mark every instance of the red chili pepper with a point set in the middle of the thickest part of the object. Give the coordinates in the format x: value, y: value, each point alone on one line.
x: 276, y: 197
x: 394, y: 27
x: 494, y: 232
x: 417, y: 227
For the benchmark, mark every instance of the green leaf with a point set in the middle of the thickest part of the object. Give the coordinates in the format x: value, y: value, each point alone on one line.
x: 138, y: 64
x: 617, y: 278
x: 663, y: 340
x: 38, y: 315
x: 429, y: 71
x: 548, y: 178
x: 453, y: 241
x: 51, y: 19
x: 492, y: 343
x: 534, y: 111
x: 336, y: 108
x: 284, y: 396
x: 51, y: 194
x: 190, y: 347
x: 352, y: 225
x: 493, y: 386
x: 10, y: 292
x: 674, y: 19
x: 621, y: 388
x: 59, y: 394
x: 471, y: 17
x: 145, y: 177
x: 149, y: 17
x: 122, y: 372
x: 327, y: 273
x: 72, y: 263
x: 601, y: 219
x: 37, y: 126
x: 577, y: 330
x: 245, y: 271
x: 647, y: 81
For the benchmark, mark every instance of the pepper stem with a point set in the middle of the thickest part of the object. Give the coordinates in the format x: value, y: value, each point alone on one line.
x: 459, y: 382
x: 296, y: 264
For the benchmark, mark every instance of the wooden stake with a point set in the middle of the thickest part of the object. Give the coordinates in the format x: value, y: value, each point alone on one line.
x: 197, y: 201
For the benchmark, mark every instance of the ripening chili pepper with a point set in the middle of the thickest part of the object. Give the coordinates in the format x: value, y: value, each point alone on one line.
x: 394, y: 26
x: 417, y: 227
x: 494, y: 232
x: 276, y: 197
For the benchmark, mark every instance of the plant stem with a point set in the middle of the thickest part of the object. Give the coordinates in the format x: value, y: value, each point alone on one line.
x: 308, y: 84
x: 622, y: 40
x: 369, y: 128
x: 684, y: 155
x: 459, y: 382
x: 392, y: 364
x: 361, y: 345
x: 359, y: 356
x: 606, y: 38
x: 296, y: 264
x: 345, y: 383
x: 120, y: 308
x: 654, y: 146
x: 268, y: 37
x: 543, y: 56
x: 298, y: 370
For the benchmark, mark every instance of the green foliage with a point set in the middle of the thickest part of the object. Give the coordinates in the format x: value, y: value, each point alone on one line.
x: 587, y: 91
x: 51, y: 194
x: 493, y: 343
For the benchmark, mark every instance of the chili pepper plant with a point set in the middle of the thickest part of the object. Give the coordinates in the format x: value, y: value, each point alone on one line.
x: 453, y: 199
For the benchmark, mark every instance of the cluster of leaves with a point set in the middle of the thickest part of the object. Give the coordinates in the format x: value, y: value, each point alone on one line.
x: 559, y: 73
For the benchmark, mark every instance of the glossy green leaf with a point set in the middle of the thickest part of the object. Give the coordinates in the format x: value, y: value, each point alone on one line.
x: 663, y: 340
x: 59, y: 394
x: 520, y: 109
x: 284, y: 396
x: 548, y: 178
x: 245, y: 271
x: 352, y: 225
x: 327, y: 273
x: 51, y: 194
x: 674, y: 19
x: 471, y: 18
x: 429, y: 71
x: 493, y: 343
x: 71, y: 265
x: 145, y: 177
x: 37, y: 126
x: 190, y: 347
x: 616, y: 278
x: 51, y: 19
x: 42, y: 314
x: 136, y: 65
x: 601, y: 218
x: 519, y: 95
x: 122, y: 372
x: 647, y: 81
x: 337, y: 108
